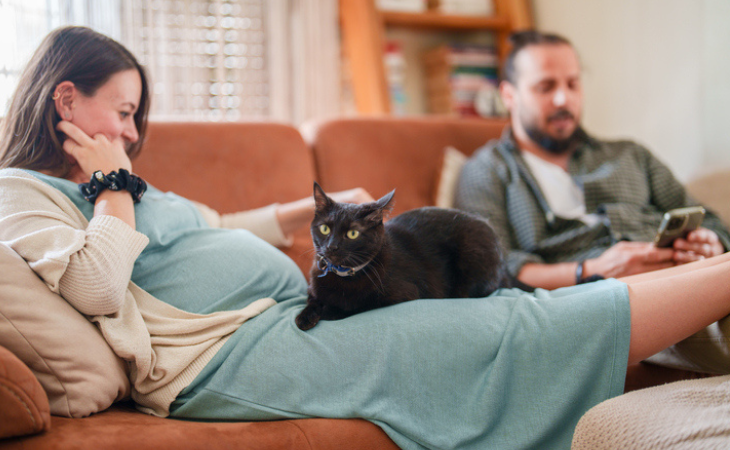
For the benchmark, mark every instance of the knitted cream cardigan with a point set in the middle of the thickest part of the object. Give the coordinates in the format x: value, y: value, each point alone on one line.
x: 90, y: 264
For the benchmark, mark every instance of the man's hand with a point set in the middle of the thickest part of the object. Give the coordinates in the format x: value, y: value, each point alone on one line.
x: 629, y: 258
x: 700, y: 244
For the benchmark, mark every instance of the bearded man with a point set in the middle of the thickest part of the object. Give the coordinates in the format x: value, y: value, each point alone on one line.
x: 569, y: 207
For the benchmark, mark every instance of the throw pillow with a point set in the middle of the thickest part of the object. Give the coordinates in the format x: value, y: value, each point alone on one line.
x: 25, y: 407
x: 78, y: 370
x: 450, y: 170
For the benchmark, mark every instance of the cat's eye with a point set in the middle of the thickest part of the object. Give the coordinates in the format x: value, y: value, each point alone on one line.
x: 324, y: 229
x: 353, y: 234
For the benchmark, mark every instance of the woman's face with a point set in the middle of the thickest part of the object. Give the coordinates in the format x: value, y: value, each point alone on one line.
x: 110, y: 111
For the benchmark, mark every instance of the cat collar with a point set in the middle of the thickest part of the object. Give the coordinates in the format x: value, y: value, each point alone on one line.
x: 338, y: 270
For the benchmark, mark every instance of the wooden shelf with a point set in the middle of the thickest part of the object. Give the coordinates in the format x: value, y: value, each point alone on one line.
x: 438, y: 21
x: 363, y: 29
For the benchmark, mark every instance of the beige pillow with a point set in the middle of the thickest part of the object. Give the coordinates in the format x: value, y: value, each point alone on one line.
x: 450, y: 170
x: 78, y: 370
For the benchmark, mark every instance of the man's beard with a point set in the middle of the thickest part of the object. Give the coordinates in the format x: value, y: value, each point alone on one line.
x: 553, y: 145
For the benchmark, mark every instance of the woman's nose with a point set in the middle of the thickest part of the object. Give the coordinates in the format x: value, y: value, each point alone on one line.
x: 130, y: 133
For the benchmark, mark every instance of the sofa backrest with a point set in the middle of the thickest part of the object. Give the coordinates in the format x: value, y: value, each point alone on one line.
x: 381, y: 154
x: 231, y: 167
x: 713, y: 191
x: 227, y: 166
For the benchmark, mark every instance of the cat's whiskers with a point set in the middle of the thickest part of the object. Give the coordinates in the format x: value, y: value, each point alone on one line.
x: 371, y: 268
x: 377, y: 285
x: 308, y: 252
x: 354, y: 259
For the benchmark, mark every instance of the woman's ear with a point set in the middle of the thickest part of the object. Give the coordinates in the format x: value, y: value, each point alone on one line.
x: 63, y: 97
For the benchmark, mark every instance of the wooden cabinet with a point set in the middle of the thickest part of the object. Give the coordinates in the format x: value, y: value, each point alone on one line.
x: 363, y: 31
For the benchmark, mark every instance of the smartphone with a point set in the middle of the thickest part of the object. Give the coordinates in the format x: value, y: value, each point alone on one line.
x: 677, y: 223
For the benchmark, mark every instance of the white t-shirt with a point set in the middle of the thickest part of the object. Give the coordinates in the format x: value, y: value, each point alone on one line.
x: 561, y: 192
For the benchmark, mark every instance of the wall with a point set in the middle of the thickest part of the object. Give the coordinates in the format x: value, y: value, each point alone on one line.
x: 716, y: 79
x: 655, y: 71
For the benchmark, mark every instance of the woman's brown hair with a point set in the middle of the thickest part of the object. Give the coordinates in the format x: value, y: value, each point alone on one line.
x: 88, y: 59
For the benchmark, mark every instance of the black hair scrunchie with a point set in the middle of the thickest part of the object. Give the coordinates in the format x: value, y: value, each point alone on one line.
x: 114, y: 181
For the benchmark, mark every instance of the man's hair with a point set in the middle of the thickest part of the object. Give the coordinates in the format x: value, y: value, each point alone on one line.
x: 28, y: 137
x: 523, y: 39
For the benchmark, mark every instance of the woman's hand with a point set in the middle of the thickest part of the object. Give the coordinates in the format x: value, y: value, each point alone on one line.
x: 99, y: 153
x: 92, y: 154
x: 357, y: 195
x: 699, y: 244
x: 298, y: 214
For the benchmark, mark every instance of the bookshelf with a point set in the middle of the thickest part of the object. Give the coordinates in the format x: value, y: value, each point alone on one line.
x: 440, y: 21
x: 363, y: 30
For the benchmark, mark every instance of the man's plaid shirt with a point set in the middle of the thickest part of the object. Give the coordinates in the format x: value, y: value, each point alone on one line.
x: 622, y: 181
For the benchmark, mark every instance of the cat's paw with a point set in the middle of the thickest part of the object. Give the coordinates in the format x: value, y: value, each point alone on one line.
x: 307, y: 319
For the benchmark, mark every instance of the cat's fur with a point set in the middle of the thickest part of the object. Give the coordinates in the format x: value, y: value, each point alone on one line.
x: 424, y: 253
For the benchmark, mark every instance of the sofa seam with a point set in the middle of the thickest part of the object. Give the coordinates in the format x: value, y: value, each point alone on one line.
x: 306, y: 438
x: 25, y: 404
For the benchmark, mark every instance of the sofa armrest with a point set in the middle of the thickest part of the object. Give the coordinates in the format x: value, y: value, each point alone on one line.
x: 24, y: 407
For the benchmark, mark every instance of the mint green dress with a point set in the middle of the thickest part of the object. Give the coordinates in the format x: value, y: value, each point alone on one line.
x: 510, y: 371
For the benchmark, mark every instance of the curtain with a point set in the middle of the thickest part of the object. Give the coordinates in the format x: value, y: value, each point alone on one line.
x: 305, y: 59
x: 24, y: 24
x: 217, y: 60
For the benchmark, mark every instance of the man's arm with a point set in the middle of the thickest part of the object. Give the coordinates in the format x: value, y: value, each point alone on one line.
x: 548, y: 276
x: 482, y: 190
x: 623, y: 259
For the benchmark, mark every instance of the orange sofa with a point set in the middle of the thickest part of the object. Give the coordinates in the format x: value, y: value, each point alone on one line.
x: 236, y: 166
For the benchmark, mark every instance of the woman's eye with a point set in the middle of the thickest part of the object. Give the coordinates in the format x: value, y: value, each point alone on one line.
x: 124, y: 114
x: 353, y: 234
x: 324, y: 229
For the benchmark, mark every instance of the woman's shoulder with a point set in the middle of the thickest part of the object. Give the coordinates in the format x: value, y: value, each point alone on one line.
x: 12, y: 178
x: 31, y: 178
x: 10, y: 172
x: 26, y: 189
x: 29, y: 181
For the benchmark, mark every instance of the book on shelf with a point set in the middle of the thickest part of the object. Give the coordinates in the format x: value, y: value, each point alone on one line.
x: 462, y: 80
x: 395, y: 73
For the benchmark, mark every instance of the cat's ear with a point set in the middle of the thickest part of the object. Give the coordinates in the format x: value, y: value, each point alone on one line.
x: 321, y: 201
x: 382, y: 207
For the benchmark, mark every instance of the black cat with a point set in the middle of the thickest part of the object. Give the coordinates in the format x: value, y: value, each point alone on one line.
x: 364, y: 264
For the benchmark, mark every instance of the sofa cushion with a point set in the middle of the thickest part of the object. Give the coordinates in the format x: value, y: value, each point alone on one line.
x: 123, y: 428
x: 67, y: 353
x: 25, y: 408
